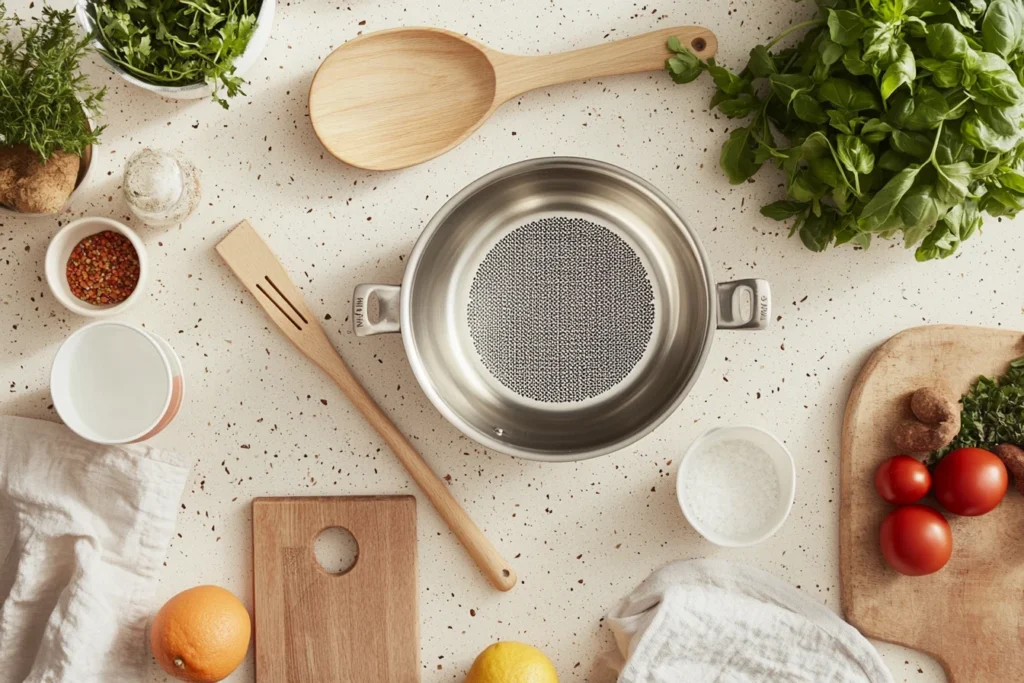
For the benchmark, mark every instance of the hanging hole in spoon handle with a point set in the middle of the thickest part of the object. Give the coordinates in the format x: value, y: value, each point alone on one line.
x: 731, y: 295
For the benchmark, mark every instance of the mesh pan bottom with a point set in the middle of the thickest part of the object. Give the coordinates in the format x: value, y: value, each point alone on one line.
x: 561, y: 310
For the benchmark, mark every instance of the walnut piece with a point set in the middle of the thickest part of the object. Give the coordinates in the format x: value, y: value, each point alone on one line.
x: 937, y: 422
x: 1013, y: 457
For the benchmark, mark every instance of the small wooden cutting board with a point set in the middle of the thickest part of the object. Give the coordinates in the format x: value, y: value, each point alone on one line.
x: 357, y: 627
x: 969, y: 615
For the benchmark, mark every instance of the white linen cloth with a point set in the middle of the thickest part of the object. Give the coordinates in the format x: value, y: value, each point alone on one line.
x: 84, y: 530
x: 708, y: 621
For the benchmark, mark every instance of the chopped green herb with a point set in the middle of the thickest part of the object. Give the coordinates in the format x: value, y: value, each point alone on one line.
x: 992, y: 413
x: 177, y: 42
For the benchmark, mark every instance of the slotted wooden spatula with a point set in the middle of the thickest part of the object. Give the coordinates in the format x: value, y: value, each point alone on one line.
x: 259, y: 270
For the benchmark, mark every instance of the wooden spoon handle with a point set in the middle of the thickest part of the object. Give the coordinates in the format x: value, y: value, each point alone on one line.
x: 498, y: 572
x: 646, y: 52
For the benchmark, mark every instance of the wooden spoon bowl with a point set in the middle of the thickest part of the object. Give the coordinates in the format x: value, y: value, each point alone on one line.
x: 399, y: 97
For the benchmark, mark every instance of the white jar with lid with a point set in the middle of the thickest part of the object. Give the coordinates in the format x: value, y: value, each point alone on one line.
x: 161, y: 188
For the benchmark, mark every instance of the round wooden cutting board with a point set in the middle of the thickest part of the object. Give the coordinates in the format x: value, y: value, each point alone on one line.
x: 969, y: 615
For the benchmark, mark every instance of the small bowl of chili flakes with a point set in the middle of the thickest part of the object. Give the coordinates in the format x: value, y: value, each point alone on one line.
x: 96, y: 267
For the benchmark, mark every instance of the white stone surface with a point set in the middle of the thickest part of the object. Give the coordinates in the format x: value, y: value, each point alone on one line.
x: 260, y: 420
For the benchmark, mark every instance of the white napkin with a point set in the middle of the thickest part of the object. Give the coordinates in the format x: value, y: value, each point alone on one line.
x: 83, y: 534
x: 710, y: 621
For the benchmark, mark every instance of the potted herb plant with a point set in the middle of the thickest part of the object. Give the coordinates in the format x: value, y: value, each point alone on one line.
x: 45, y: 135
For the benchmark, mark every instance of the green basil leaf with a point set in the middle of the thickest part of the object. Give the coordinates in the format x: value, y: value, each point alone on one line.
x: 1013, y: 180
x: 891, y: 10
x: 737, y: 158
x: 844, y: 26
x: 987, y: 168
x: 830, y: 51
x: 940, y: 243
x: 1002, y: 29
x: 761, y: 63
x: 684, y: 67
x: 878, y: 41
x: 842, y: 197
x: 842, y: 120
x: 993, y: 129
x: 1010, y: 199
x: 928, y: 8
x: 808, y: 109
x: 963, y: 17
x: 847, y: 95
x: 881, y: 207
x: 945, y: 42
x: 874, y: 130
x: 726, y: 80
x: 854, y: 154
x: 952, y: 180
x: 805, y: 187
x: 787, y: 86
x: 924, y: 111
x: 968, y: 216
x: 783, y: 209
x: 740, y: 106
x: 827, y: 171
x: 912, y: 144
x: 999, y: 201
x: 997, y: 84
x: 952, y: 147
x: 853, y: 62
x: 891, y: 160
x: 901, y: 72
x: 918, y: 211
x: 815, y: 146
x: 948, y: 75
x: 817, y: 232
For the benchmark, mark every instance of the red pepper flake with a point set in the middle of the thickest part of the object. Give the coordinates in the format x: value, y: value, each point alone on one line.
x: 103, y: 269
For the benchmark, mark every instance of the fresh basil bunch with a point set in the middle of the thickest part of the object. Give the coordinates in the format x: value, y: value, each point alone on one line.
x: 889, y: 118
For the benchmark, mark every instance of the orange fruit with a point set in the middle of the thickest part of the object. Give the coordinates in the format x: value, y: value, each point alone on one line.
x: 201, y: 635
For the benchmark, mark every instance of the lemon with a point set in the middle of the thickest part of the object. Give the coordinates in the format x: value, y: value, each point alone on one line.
x: 509, y: 662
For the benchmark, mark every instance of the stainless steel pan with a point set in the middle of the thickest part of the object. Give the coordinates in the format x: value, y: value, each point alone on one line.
x: 558, y: 309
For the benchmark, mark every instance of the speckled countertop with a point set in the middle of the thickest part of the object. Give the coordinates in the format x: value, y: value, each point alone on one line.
x: 260, y: 420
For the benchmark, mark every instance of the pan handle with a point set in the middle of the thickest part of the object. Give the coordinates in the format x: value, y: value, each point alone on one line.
x: 730, y: 300
x: 388, y: 319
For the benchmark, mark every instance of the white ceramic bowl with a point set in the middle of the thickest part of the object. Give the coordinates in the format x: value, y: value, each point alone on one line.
x: 57, y: 260
x: 784, y: 467
x: 264, y: 24
x: 114, y: 382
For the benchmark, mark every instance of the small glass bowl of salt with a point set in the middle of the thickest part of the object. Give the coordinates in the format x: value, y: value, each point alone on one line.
x: 736, y: 485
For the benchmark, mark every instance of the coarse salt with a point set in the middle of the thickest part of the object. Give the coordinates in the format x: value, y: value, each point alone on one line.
x: 732, y: 488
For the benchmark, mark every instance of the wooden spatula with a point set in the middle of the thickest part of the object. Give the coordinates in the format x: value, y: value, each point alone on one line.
x: 259, y: 270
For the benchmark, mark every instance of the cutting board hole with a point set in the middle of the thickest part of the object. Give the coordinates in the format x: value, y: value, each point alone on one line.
x: 336, y: 550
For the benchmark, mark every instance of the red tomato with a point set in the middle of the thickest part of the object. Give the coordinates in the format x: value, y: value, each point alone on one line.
x: 916, y: 540
x: 901, y: 480
x: 970, y: 481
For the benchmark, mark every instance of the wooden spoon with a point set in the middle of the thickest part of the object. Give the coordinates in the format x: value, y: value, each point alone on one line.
x: 399, y: 97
